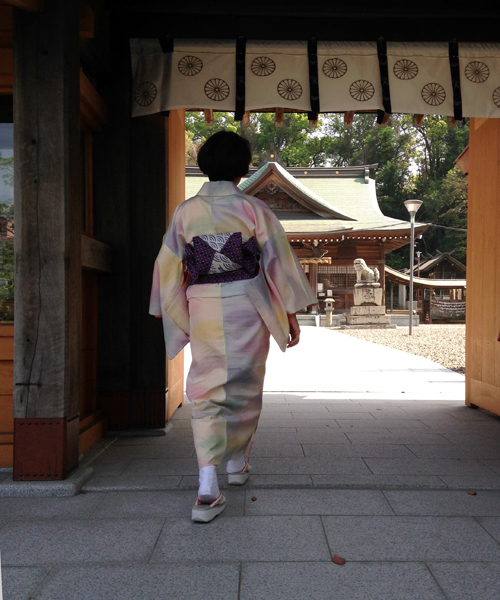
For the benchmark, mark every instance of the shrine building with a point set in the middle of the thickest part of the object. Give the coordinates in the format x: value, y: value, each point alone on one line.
x: 331, y: 216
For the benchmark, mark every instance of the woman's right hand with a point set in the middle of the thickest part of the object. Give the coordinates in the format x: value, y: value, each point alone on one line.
x: 294, y: 337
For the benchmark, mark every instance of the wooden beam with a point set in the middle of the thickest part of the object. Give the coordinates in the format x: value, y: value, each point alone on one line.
x: 209, y: 116
x: 29, y: 5
x: 6, y: 38
x: 348, y: 118
x: 86, y: 22
x: 463, y: 161
x: 6, y: 70
x: 279, y: 116
x: 417, y: 120
x: 96, y: 256
x: 385, y: 120
x: 6, y: 16
x: 93, y: 109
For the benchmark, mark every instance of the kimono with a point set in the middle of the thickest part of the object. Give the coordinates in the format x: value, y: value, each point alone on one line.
x: 243, y: 280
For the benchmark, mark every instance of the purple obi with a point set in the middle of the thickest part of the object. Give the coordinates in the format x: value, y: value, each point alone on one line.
x: 222, y: 257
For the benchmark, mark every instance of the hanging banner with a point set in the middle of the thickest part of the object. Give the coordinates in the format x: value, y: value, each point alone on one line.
x: 413, y: 78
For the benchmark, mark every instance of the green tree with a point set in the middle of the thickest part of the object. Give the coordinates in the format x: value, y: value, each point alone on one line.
x: 412, y: 162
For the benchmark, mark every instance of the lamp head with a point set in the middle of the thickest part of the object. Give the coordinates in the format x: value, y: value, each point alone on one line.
x: 413, y: 206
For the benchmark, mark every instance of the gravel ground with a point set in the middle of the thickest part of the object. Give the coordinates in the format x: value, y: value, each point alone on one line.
x: 443, y: 344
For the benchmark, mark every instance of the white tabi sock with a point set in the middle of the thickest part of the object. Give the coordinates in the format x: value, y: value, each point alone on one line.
x: 209, y: 486
x: 236, y: 465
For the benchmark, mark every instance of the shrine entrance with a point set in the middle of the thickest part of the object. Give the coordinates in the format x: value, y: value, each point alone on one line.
x: 94, y: 188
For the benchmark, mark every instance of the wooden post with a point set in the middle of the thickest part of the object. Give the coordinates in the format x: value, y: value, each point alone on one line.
x: 47, y: 149
x: 129, y: 216
x: 279, y: 117
x: 348, y: 119
x: 147, y: 218
x: 392, y: 298
x: 482, y: 366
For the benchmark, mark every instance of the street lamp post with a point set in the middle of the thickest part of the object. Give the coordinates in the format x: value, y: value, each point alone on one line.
x: 412, y: 206
x: 418, y: 275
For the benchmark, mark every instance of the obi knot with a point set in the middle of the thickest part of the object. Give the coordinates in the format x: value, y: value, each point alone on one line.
x: 222, y: 257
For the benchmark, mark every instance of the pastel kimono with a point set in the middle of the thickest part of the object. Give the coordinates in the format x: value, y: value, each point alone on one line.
x: 228, y: 323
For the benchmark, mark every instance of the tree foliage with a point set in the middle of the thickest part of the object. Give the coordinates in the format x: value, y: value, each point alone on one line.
x: 411, y: 163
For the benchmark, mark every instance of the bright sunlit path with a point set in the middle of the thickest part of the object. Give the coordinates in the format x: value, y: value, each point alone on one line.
x: 329, y: 361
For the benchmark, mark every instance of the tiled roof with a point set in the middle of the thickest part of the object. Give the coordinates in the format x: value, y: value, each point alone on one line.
x: 350, y: 202
x: 282, y: 173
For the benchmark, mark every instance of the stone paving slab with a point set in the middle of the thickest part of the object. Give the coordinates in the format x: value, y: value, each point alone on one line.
x: 492, y: 438
x: 412, y: 538
x: 472, y: 481
x: 181, y: 423
x: 166, y: 450
x: 134, y: 481
x: 255, y: 480
x: 20, y: 583
x: 142, y: 582
x: 330, y: 416
x: 276, y: 423
x: 494, y: 465
x: 108, y: 466
x: 332, y: 452
x: 316, y: 502
x: 492, y: 525
x: 308, y: 466
x: 141, y: 441
x: 262, y: 450
x: 411, y: 482
x: 303, y: 435
x: 312, y: 407
x: 450, y: 503
x: 27, y: 509
x: 372, y: 409
x: 233, y: 539
x: 462, y: 581
x: 282, y: 416
x: 163, y: 466
x: 424, y: 466
x: 324, y: 581
x: 396, y: 437
x: 122, y: 505
x: 479, y: 452
x: 391, y: 424
x: 38, y: 543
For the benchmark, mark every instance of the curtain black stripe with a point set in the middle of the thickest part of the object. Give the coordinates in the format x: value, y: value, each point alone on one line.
x: 241, y: 47
x: 167, y: 44
x: 312, y: 52
x: 384, y: 74
x: 455, y: 80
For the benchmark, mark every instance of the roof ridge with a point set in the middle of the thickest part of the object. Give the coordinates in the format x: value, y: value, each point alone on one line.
x: 326, y: 206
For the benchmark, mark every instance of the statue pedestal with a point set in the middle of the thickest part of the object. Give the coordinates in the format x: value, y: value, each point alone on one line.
x: 368, y: 310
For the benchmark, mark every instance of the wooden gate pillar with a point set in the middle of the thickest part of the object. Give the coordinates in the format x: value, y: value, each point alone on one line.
x: 47, y: 346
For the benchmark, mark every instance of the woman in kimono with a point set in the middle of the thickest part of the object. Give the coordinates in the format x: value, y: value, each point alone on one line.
x: 224, y: 280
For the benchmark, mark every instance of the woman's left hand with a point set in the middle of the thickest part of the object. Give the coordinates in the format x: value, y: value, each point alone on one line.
x: 294, y: 336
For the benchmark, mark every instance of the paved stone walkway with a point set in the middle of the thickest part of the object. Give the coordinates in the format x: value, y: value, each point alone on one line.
x: 379, y: 478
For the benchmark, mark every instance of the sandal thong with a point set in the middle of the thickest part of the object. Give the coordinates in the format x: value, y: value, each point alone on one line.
x: 204, y: 513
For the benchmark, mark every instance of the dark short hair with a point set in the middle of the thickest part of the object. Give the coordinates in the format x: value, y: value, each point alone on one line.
x: 225, y: 156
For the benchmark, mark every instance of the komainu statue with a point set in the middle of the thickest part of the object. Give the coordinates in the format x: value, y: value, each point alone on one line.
x: 364, y: 274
